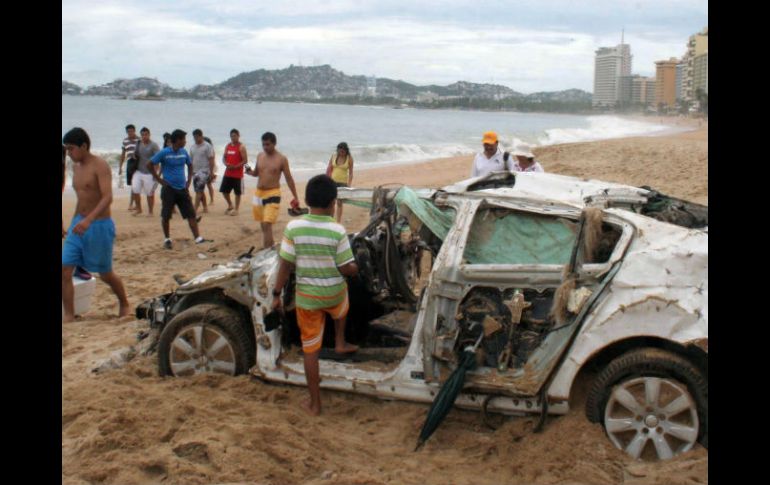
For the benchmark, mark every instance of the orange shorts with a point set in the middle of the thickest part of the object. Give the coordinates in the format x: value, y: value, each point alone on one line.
x: 311, y: 323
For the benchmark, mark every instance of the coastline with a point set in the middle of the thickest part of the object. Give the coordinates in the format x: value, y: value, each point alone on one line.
x: 675, y: 126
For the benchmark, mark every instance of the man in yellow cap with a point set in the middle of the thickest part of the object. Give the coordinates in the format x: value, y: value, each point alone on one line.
x: 492, y: 159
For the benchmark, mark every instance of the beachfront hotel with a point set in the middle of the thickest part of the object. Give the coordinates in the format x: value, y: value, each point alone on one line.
x: 665, y: 82
x: 636, y: 90
x: 697, y: 48
x: 681, y: 67
x: 700, y: 73
x: 611, y: 64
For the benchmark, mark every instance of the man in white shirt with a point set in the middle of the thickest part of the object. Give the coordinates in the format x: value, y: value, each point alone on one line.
x: 492, y: 159
x: 525, y: 160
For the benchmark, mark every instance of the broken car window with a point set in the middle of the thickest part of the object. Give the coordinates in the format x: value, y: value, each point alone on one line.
x: 502, y: 236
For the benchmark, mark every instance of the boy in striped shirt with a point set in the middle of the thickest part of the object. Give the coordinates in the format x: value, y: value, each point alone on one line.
x: 317, y: 248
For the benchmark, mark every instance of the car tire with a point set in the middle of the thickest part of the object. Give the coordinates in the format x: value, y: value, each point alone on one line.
x: 648, y: 369
x: 205, y: 338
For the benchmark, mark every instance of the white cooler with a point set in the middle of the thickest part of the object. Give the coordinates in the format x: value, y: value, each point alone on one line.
x: 83, y: 291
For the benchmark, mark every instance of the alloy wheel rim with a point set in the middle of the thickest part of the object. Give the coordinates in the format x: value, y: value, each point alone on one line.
x: 201, y: 349
x: 651, y: 418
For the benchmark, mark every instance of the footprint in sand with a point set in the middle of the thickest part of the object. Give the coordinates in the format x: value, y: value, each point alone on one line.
x: 195, y: 452
x: 154, y: 469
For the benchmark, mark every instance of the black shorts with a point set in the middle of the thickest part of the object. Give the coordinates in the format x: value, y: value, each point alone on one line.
x: 340, y: 184
x: 131, y: 166
x: 230, y: 184
x: 169, y: 197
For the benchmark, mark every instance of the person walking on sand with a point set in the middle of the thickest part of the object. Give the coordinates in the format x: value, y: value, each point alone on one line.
x: 340, y: 169
x: 317, y: 249
x: 492, y: 159
x: 210, y: 183
x: 525, y: 160
x: 234, y: 159
x: 267, y: 197
x: 203, y: 166
x: 91, y: 235
x: 144, y: 183
x: 127, y: 155
x: 175, y: 190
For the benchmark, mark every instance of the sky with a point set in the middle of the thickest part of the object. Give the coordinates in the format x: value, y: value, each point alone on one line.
x: 527, y: 45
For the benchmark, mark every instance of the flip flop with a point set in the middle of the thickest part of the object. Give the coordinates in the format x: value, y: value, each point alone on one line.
x: 298, y: 211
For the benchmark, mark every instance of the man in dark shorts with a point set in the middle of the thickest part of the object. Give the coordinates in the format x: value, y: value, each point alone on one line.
x: 127, y: 155
x: 92, y: 233
x: 175, y: 187
x: 234, y: 159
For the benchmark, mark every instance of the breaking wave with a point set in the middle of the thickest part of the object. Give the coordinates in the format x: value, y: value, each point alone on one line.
x: 407, y: 152
x: 600, y: 128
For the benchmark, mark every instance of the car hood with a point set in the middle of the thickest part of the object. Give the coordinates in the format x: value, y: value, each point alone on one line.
x: 220, y: 273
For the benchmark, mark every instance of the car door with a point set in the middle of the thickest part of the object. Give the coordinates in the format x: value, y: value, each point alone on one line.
x: 505, y: 247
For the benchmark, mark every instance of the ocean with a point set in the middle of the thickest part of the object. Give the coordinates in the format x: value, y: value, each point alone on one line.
x: 308, y: 133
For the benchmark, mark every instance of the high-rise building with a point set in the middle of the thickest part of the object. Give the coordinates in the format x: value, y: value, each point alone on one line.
x: 700, y: 78
x: 649, y: 91
x: 611, y: 63
x: 643, y: 90
x: 696, y: 46
x: 680, y: 72
x: 665, y: 82
x: 626, y: 95
x: 637, y: 90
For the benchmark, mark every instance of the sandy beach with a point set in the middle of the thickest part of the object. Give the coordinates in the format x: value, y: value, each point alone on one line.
x: 129, y: 426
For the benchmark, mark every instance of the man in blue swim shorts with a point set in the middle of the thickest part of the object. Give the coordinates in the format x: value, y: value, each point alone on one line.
x: 91, y: 234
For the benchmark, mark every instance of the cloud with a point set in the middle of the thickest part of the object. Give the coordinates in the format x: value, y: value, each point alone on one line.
x: 533, y: 47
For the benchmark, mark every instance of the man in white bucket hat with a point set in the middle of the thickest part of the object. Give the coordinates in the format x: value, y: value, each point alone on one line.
x: 525, y: 160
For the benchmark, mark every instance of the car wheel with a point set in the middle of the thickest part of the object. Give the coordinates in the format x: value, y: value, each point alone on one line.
x: 204, y: 339
x: 653, y: 404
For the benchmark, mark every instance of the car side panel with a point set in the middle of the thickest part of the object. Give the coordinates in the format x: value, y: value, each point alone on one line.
x: 661, y: 290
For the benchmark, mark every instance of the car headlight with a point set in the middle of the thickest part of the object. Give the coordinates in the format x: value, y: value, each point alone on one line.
x: 158, y: 311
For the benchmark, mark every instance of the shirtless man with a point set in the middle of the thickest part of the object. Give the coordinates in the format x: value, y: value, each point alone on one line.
x: 92, y: 233
x: 267, y: 198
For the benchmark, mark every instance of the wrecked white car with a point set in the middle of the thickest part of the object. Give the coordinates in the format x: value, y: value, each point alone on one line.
x: 541, y: 275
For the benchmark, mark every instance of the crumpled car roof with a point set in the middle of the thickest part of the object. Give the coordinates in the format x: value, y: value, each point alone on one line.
x: 549, y: 186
